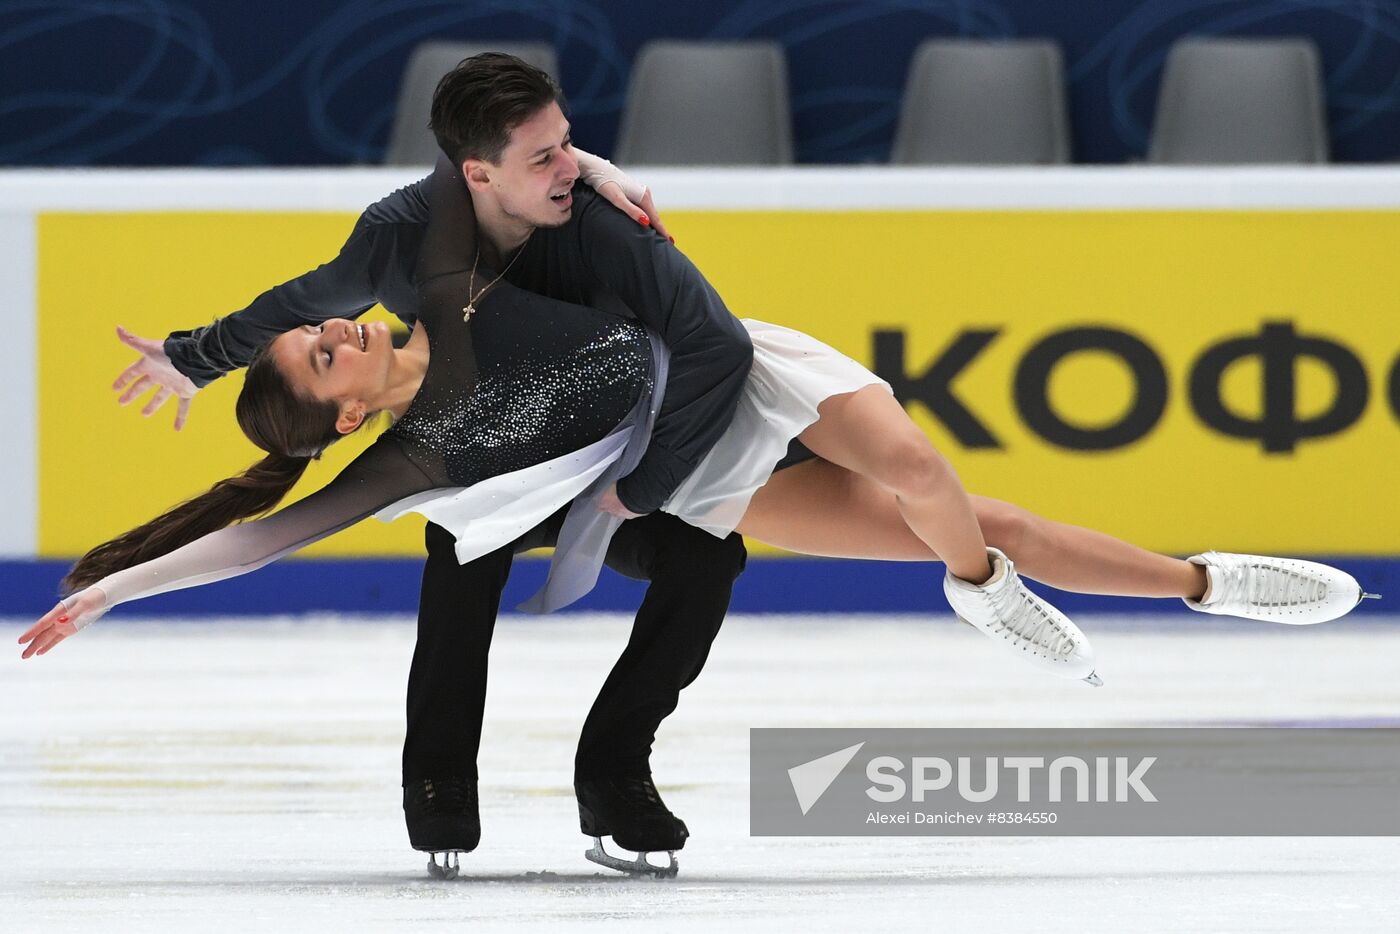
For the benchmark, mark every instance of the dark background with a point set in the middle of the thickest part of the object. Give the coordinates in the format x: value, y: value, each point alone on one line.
x: 313, y: 82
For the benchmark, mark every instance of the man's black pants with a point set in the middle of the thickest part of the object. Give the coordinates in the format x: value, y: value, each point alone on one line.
x: 692, y: 574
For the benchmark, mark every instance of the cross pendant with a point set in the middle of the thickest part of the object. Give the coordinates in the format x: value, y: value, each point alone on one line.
x: 468, y: 311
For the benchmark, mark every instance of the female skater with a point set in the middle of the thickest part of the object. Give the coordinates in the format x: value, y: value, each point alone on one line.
x: 527, y: 403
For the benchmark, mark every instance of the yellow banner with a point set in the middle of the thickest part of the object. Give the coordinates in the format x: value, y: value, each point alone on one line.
x: 1186, y: 380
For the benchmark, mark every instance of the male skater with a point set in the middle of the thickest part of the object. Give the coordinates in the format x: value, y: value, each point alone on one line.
x: 501, y: 121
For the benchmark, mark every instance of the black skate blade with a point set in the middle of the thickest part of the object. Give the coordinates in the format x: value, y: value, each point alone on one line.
x: 636, y: 869
x: 448, y: 869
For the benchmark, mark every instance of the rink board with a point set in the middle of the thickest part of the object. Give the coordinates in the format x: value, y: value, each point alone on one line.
x: 780, y: 585
x: 1052, y: 332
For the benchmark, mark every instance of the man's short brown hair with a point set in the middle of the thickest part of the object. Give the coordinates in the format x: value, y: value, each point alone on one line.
x: 479, y: 102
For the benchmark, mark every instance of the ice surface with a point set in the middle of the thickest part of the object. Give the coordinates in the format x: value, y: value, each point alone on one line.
x: 244, y: 776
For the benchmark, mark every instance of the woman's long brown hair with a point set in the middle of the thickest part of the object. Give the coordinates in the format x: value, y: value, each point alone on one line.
x: 293, y: 430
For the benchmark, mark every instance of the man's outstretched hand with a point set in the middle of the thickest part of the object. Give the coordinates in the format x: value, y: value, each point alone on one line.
x: 608, y: 502
x: 153, y: 370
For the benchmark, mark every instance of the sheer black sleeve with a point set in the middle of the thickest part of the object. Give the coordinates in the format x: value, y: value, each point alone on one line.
x: 444, y: 273
x: 450, y: 244
x: 380, y: 476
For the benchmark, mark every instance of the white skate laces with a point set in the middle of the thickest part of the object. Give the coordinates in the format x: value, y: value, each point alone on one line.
x: 1278, y: 590
x: 1007, y: 612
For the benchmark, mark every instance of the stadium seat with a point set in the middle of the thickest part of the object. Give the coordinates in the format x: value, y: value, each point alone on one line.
x: 984, y: 103
x: 707, y: 103
x: 411, y: 142
x: 1240, y: 101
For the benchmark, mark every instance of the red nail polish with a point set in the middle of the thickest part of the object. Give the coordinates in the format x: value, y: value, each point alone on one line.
x: 644, y: 221
x: 63, y: 619
x: 673, y: 240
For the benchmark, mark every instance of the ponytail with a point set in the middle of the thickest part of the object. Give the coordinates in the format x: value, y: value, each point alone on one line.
x: 256, y: 491
x: 277, y: 419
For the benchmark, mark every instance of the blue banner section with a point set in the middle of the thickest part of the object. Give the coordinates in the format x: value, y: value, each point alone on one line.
x: 175, y: 82
x: 770, y: 585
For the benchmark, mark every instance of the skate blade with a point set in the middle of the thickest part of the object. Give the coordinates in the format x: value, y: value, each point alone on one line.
x: 448, y: 869
x: 636, y: 869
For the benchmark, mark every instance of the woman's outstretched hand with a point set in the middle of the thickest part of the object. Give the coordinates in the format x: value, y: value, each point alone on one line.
x: 62, y: 621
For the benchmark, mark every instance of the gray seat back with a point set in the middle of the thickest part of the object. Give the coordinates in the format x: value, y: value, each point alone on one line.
x: 984, y: 103
x: 411, y: 142
x: 1240, y: 101
x: 707, y: 103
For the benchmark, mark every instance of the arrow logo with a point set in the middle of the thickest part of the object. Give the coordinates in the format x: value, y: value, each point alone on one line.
x: 810, y: 780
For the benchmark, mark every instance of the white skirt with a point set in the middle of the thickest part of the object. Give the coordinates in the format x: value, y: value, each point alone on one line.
x: 792, y: 374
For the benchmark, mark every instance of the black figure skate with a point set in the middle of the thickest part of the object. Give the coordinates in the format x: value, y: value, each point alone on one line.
x: 630, y: 810
x: 443, y: 819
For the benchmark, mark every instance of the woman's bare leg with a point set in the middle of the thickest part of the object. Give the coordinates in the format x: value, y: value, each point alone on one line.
x: 822, y: 509
x: 817, y: 508
x: 869, y: 433
x: 1082, y: 560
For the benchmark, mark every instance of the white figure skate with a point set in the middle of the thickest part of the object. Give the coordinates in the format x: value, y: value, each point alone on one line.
x: 1276, y: 590
x: 1025, y: 624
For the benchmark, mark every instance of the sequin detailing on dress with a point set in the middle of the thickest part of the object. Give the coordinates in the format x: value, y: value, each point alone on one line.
x: 545, y: 399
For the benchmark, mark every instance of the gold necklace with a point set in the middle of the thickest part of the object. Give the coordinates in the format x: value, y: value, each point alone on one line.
x: 470, y: 308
